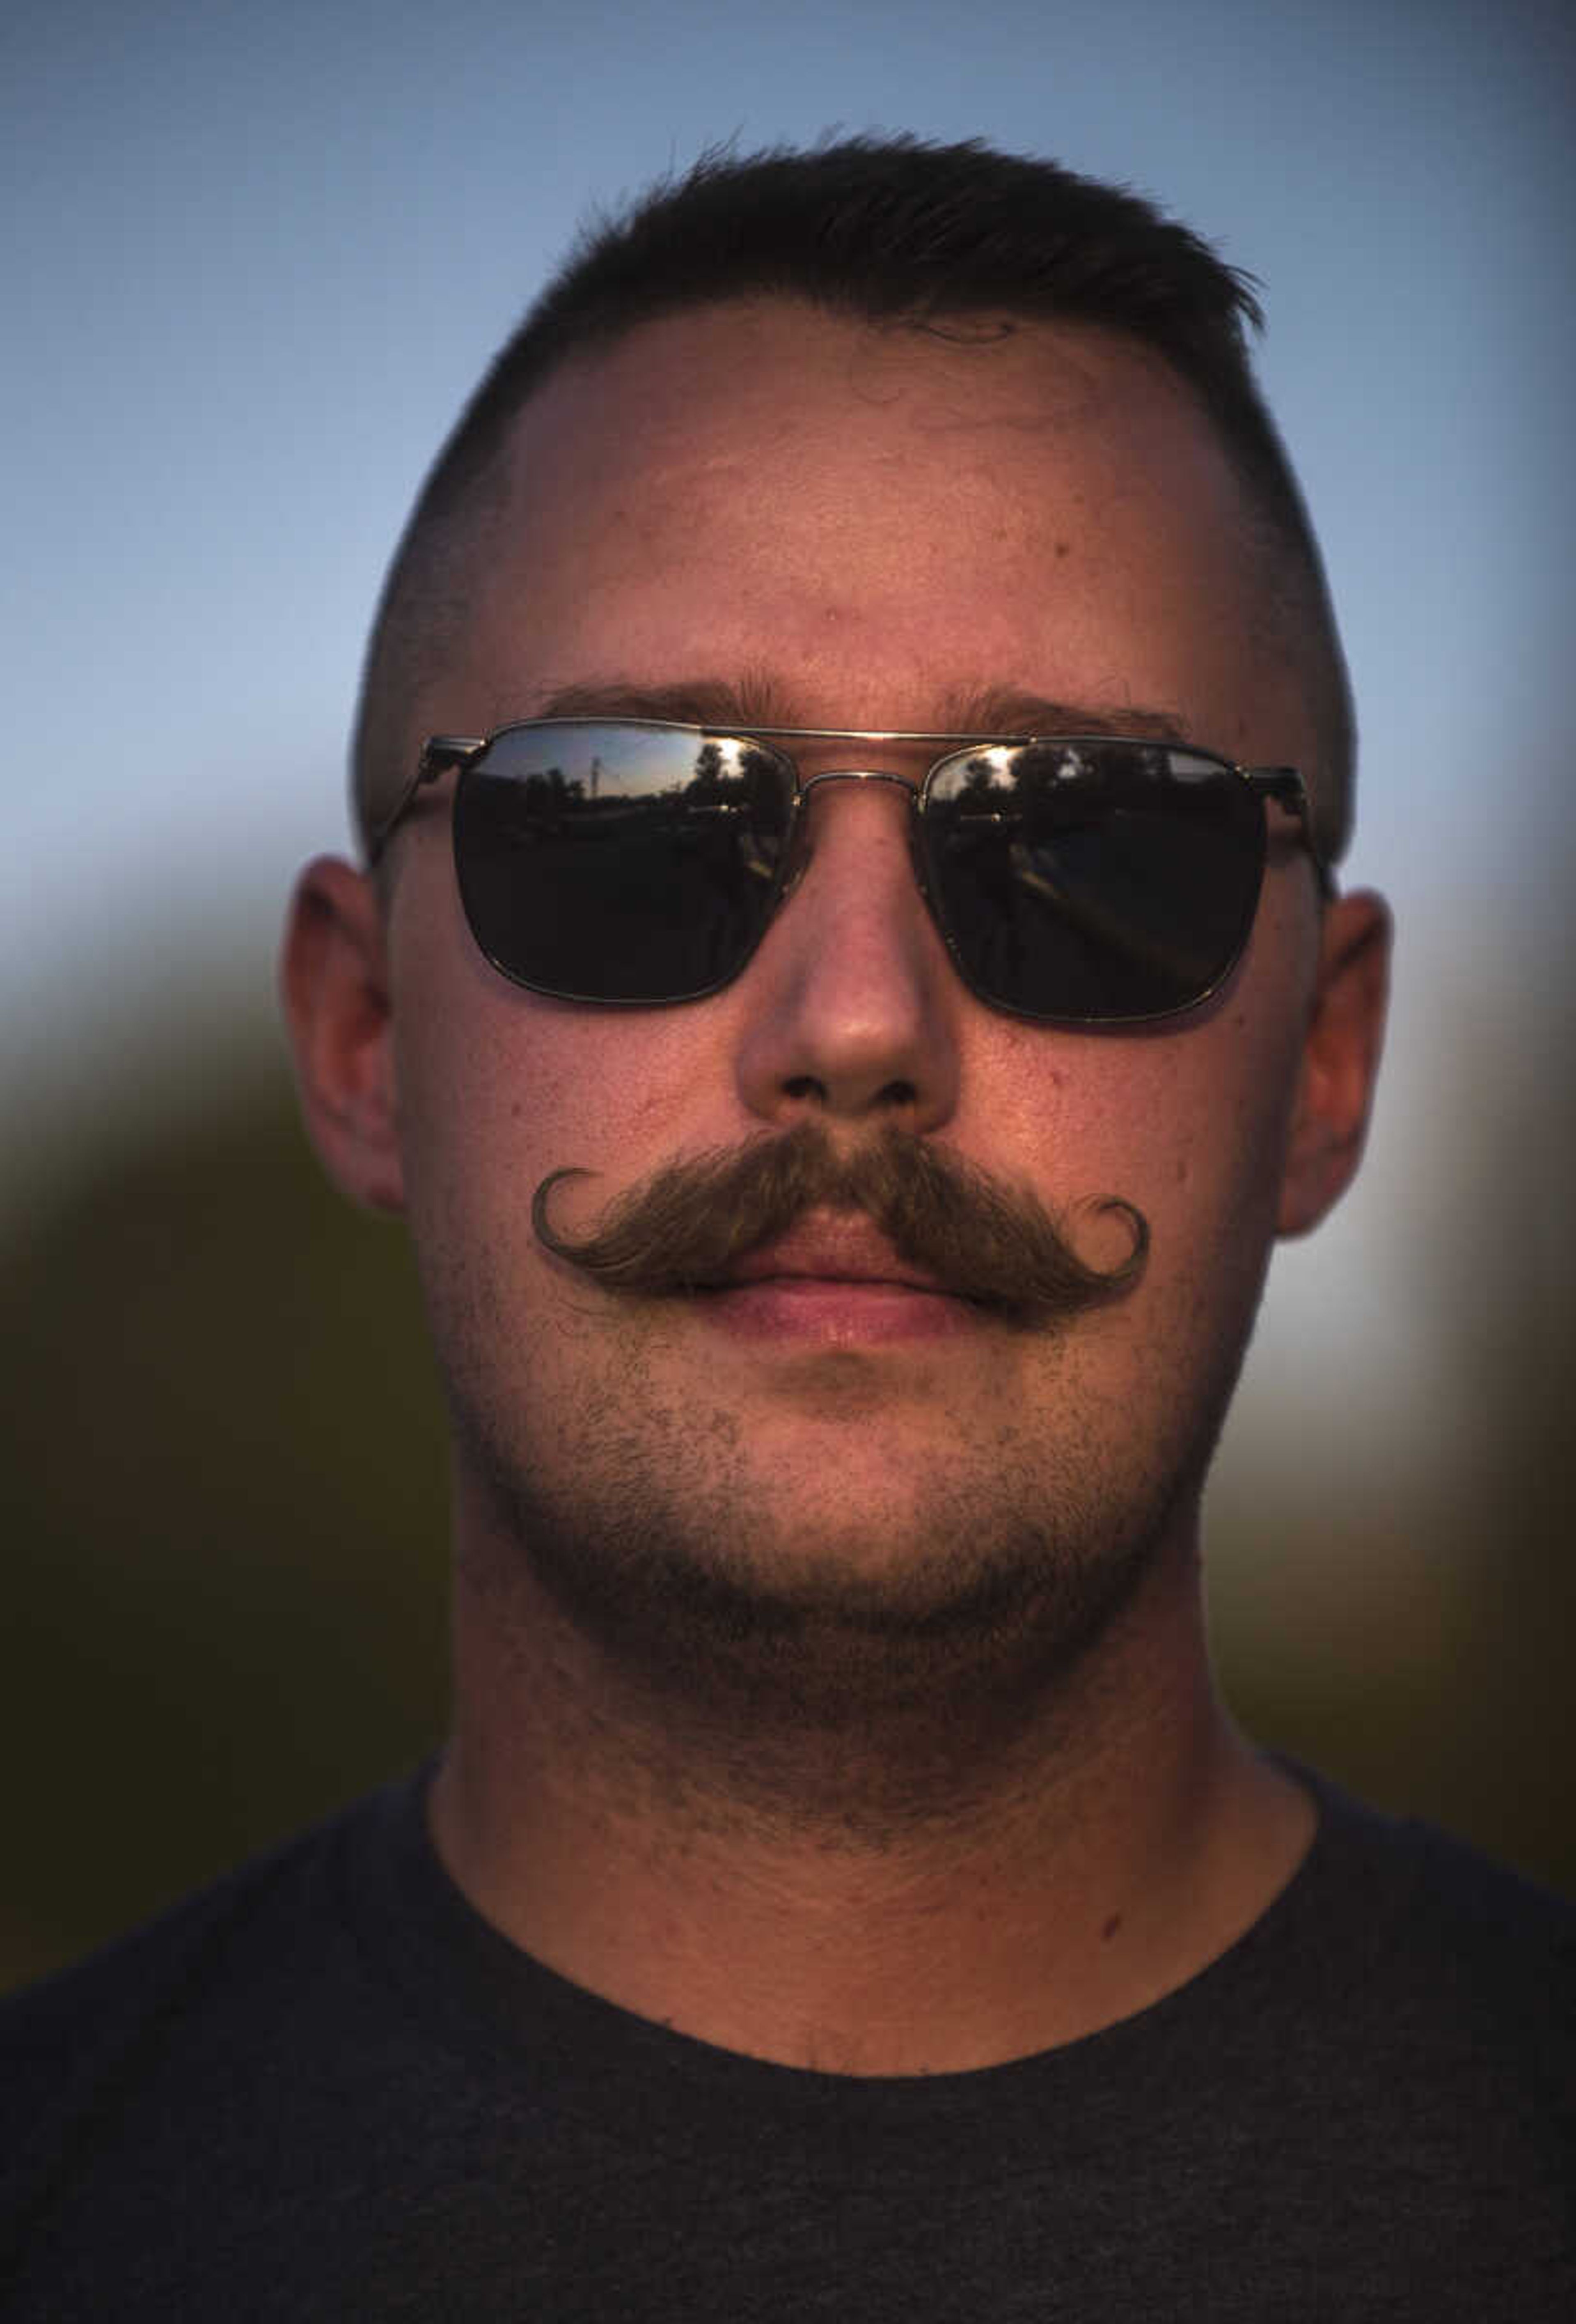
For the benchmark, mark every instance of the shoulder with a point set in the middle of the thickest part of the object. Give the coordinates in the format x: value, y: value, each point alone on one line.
x: 254, y: 1946
x: 1503, y: 1950
x: 278, y: 1880
x: 1434, y: 1962
x: 1416, y: 1886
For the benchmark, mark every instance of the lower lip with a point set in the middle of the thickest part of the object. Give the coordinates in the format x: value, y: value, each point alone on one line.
x: 828, y: 1312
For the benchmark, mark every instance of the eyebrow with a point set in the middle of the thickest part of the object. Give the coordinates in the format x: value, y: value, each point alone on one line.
x: 759, y: 705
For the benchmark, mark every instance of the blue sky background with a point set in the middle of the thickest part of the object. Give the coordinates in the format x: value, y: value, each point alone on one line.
x: 255, y: 258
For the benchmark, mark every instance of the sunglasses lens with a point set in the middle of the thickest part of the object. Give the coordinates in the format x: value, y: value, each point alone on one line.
x: 1091, y: 883
x: 1084, y: 883
x: 618, y: 862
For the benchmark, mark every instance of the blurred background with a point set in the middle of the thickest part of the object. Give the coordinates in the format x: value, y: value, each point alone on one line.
x: 255, y: 259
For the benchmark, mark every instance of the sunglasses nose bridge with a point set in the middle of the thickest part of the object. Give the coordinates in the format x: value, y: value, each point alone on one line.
x: 856, y: 775
x: 808, y: 783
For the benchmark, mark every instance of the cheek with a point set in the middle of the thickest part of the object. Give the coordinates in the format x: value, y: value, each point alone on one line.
x: 1179, y: 1123
x: 1217, y: 1172
x: 496, y: 1087
x: 1225, y: 1088
x: 1200, y: 1150
x: 1189, y: 1126
x: 481, y: 1066
x: 1211, y: 1166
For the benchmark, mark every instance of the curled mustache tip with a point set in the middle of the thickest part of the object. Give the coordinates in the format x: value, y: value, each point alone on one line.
x: 1126, y: 1270
x: 545, y: 1232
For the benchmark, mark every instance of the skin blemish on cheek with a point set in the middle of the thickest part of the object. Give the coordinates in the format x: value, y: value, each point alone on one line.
x: 1062, y: 549
x: 1110, y: 1928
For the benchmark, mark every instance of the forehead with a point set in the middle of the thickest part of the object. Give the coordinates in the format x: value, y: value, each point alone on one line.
x: 866, y: 523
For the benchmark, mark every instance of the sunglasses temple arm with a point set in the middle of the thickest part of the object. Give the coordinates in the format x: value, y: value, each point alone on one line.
x: 440, y: 752
x: 1286, y: 786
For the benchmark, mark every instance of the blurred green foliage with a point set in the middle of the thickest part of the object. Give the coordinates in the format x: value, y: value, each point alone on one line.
x: 225, y: 1513
x: 225, y: 1510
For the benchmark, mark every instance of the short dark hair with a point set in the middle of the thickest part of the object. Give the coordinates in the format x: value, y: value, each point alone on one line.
x: 882, y: 230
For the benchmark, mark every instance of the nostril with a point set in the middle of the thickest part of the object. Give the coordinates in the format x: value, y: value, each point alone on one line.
x: 893, y: 1097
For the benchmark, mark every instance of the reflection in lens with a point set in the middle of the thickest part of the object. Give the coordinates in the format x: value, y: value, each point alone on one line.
x: 1095, y: 879
x: 620, y: 862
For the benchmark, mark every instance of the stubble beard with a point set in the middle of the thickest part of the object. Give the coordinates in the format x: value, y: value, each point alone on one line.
x: 884, y: 1657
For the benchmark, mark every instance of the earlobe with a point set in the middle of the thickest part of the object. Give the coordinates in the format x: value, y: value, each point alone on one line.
x: 1340, y: 1056
x: 334, y: 985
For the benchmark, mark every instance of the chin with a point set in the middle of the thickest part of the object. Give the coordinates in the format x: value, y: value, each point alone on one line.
x: 816, y: 1596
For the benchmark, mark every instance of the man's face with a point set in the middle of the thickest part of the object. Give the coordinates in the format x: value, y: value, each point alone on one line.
x: 851, y: 528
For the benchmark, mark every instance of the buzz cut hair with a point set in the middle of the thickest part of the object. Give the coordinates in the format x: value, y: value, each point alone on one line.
x: 887, y: 231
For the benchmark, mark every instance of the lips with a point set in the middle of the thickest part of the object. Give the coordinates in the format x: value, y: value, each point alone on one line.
x: 834, y: 1282
x: 833, y: 1249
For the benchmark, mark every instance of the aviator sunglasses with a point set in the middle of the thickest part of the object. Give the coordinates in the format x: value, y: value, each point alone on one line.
x: 1076, y: 880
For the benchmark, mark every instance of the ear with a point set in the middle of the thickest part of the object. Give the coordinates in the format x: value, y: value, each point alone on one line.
x: 1340, y: 1057
x: 335, y: 987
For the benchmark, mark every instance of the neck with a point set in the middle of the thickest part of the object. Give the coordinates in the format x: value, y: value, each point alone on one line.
x: 931, y: 1885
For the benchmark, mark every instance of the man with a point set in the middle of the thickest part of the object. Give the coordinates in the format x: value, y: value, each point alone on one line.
x: 846, y: 983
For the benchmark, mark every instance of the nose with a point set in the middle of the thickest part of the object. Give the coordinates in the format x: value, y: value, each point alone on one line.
x: 851, y: 1009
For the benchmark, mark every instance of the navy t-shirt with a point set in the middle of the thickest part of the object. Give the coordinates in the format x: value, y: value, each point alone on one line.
x: 326, y: 2088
